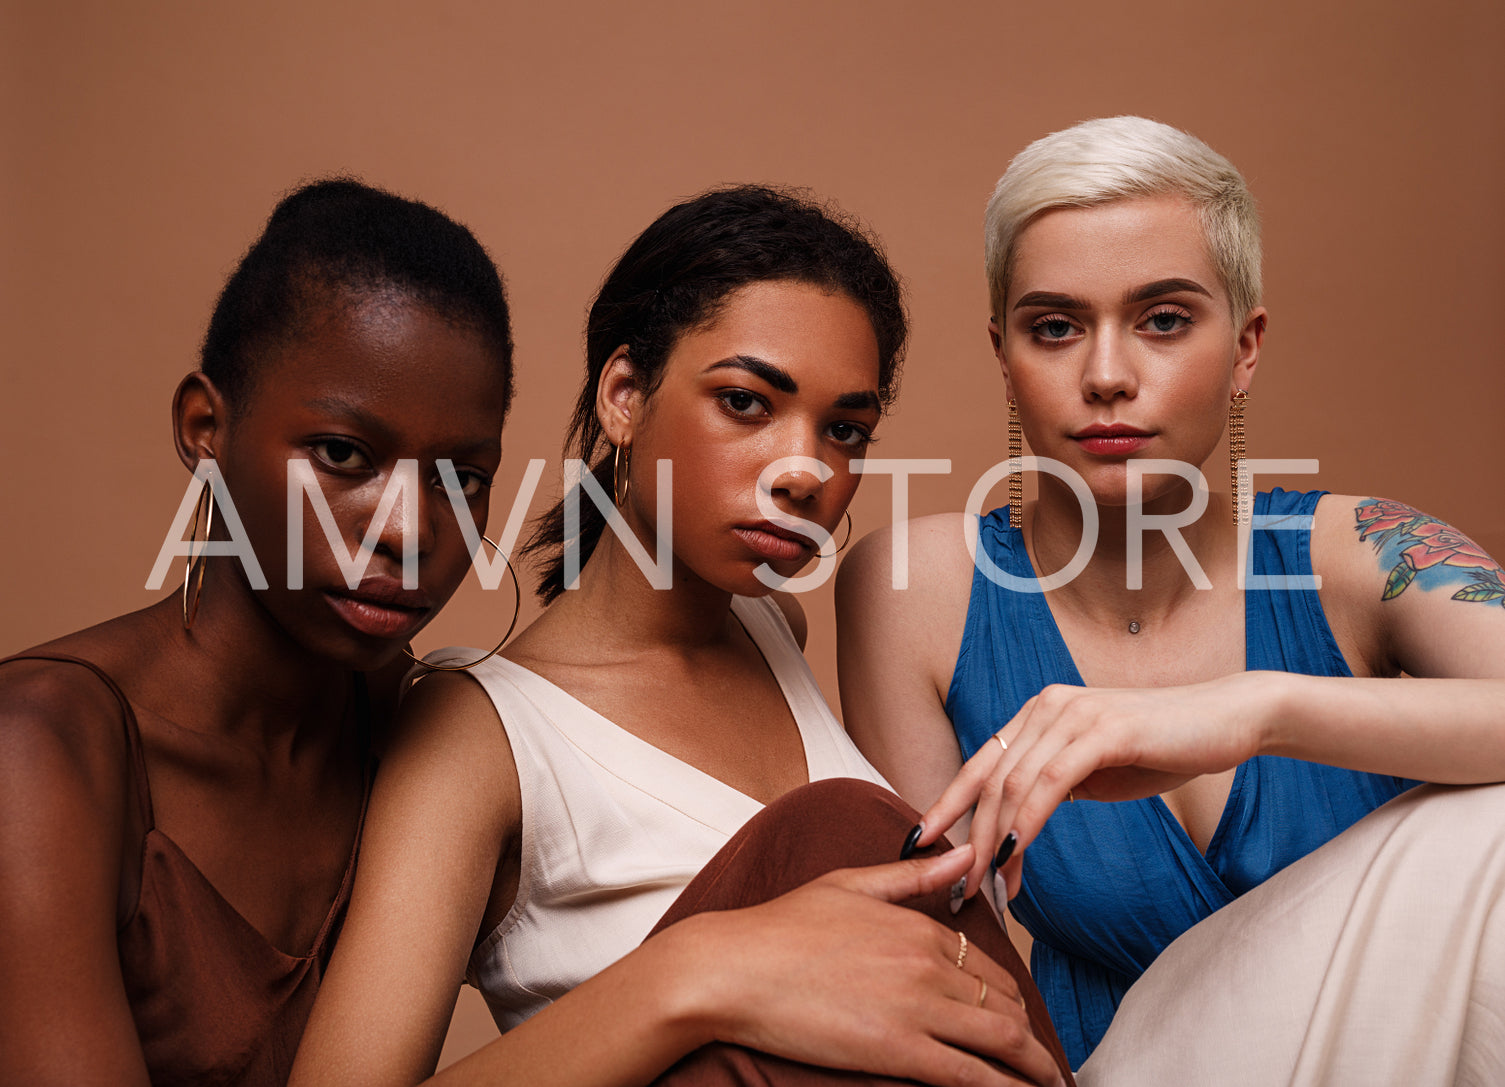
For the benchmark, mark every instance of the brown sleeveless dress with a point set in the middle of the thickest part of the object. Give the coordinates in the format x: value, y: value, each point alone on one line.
x: 214, y: 1002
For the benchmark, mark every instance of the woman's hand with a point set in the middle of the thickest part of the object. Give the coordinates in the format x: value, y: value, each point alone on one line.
x: 1098, y: 744
x: 835, y: 975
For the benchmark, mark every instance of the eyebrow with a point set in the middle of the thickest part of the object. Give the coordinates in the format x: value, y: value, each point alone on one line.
x: 778, y: 378
x: 335, y: 405
x: 784, y: 382
x: 1165, y: 286
x: 371, y: 424
x: 863, y: 401
x: 1049, y: 300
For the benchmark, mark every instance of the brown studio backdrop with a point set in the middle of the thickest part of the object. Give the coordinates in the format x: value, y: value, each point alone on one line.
x: 144, y: 146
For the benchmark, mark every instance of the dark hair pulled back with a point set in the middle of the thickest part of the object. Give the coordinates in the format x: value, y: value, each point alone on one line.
x: 340, y: 236
x: 675, y: 277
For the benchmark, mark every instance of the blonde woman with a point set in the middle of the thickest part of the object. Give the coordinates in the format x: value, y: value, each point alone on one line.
x: 1105, y: 637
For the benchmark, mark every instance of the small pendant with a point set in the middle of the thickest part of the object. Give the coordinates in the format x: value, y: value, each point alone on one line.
x: 1133, y: 626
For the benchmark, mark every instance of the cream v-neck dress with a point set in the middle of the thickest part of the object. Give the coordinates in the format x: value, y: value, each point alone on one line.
x: 613, y: 828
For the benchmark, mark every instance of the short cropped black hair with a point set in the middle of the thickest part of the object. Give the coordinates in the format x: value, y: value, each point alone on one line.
x: 340, y: 236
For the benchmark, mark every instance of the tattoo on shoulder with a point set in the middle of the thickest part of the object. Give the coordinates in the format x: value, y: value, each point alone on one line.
x: 1410, y: 543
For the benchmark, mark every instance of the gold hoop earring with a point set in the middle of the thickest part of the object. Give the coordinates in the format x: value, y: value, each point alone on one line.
x: 517, y: 607
x: 846, y: 540
x: 1016, y: 477
x: 1236, y: 454
x: 621, y: 475
x: 204, y: 508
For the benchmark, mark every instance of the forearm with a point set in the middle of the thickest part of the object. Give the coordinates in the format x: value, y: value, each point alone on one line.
x: 622, y: 1028
x: 1442, y: 730
x: 830, y: 974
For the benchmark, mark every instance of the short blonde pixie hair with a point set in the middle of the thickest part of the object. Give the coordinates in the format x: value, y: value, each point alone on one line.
x: 1111, y: 158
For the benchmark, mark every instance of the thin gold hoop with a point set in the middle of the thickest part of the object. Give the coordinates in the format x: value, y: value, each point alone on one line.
x: 205, y: 507
x: 621, y: 475
x: 846, y: 540
x: 517, y: 607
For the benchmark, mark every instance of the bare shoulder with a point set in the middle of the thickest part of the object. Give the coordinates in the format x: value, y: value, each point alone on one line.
x: 1379, y: 543
x: 1414, y: 580
x: 1340, y: 556
x: 60, y: 728
x: 901, y: 606
x: 64, y: 780
x: 915, y: 564
x: 449, y: 709
x: 450, y: 741
x: 901, y: 610
x: 64, y: 799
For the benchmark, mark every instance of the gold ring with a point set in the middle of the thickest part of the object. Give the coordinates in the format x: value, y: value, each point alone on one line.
x: 961, y: 951
x: 1001, y: 741
x: 1070, y: 796
x: 982, y: 993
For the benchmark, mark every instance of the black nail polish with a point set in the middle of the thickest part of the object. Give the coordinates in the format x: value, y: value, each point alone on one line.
x: 958, y: 895
x: 1006, y: 849
x: 911, y: 841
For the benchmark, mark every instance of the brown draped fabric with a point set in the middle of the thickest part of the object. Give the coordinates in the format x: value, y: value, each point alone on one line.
x: 839, y: 823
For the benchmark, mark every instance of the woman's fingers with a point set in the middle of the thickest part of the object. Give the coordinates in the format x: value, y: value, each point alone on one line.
x: 1017, y: 778
x: 985, y: 1013
x: 903, y: 879
x: 1082, y: 744
x: 973, y: 1033
x: 941, y: 1065
x: 1044, y: 780
x: 850, y: 981
x: 990, y: 819
x: 1001, y: 1021
x: 976, y: 788
x: 1031, y: 741
x: 960, y: 796
x: 982, y: 787
x: 1072, y: 742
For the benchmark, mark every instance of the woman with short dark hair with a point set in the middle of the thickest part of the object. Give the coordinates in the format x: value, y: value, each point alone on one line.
x: 182, y: 788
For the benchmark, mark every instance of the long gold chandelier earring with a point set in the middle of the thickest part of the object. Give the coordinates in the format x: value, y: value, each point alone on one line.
x: 1236, y: 453
x: 1016, y: 475
x: 193, y: 586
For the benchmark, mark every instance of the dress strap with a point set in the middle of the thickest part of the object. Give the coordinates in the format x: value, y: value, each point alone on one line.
x: 128, y: 716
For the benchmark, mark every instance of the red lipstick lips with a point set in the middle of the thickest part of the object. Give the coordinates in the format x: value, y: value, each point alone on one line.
x: 381, y: 607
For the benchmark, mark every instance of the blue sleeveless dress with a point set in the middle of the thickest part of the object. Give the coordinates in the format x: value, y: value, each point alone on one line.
x: 1107, y: 886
